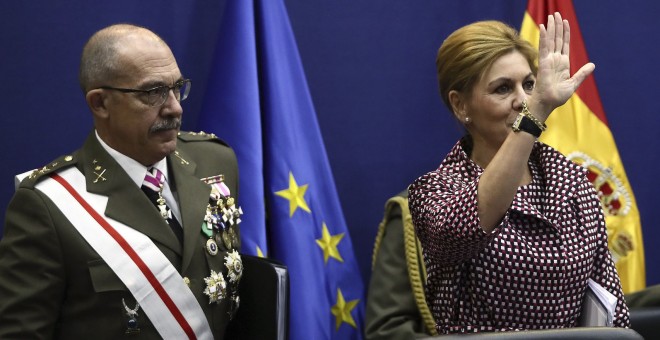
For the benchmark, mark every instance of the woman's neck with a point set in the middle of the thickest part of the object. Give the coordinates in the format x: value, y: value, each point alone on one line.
x: 482, y: 154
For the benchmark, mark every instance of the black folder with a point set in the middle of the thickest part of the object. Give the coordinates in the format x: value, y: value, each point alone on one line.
x: 264, y: 308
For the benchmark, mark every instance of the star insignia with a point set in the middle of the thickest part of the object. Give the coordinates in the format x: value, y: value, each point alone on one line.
x: 295, y: 194
x: 234, y: 266
x: 342, y: 310
x: 260, y: 253
x: 328, y: 244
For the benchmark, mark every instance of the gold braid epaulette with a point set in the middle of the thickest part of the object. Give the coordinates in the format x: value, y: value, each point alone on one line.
x: 201, y: 135
x: 379, y: 238
x: 413, y: 253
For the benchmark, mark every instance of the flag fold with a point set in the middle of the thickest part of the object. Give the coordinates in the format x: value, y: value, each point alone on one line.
x: 258, y: 101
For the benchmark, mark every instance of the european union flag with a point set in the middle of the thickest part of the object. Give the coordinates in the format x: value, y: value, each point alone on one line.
x: 259, y: 102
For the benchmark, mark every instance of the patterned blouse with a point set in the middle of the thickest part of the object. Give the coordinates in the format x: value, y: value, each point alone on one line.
x: 531, y: 272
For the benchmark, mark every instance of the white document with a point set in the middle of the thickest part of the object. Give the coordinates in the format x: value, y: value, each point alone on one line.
x: 598, y: 307
x: 606, y: 298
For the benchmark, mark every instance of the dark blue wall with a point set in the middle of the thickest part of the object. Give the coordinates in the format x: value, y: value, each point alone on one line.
x: 370, y: 67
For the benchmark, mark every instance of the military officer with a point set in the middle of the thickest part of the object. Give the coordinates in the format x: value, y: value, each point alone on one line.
x: 134, y: 235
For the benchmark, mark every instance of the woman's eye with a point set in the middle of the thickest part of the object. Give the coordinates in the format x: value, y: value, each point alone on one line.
x: 528, y: 85
x: 502, y: 89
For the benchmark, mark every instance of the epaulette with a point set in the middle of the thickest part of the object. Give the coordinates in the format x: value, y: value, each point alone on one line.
x: 189, y: 136
x: 37, y: 174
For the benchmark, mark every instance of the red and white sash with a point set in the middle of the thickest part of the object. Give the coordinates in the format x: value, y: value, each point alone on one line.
x: 141, y: 266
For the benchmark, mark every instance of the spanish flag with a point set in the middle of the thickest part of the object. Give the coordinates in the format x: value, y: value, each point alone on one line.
x: 580, y: 131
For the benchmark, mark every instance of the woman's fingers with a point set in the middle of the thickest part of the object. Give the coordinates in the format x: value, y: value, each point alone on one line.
x: 550, y: 37
x: 567, y: 38
x: 556, y: 37
x: 543, y: 44
x: 559, y: 31
x: 582, y: 74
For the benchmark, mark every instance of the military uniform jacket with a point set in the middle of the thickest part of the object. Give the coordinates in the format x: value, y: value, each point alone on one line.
x: 54, y: 285
x: 396, y: 306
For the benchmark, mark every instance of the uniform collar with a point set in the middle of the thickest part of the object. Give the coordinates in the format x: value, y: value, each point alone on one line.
x: 135, y: 170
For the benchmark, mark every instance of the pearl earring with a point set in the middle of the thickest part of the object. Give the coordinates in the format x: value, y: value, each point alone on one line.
x: 467, y: 120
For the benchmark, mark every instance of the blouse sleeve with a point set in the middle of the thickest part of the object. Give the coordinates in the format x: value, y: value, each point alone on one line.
x: 444, y: 210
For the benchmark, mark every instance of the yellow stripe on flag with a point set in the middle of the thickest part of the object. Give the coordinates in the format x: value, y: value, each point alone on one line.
x: 577, y: 132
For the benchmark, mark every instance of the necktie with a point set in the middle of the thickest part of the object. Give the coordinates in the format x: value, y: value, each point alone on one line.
x: 152, y: 186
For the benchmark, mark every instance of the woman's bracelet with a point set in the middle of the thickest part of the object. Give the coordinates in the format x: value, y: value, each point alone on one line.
x: 525, y: 111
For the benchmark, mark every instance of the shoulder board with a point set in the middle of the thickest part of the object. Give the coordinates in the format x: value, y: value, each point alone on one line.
x: 37, y: 174
x: 189, y: 136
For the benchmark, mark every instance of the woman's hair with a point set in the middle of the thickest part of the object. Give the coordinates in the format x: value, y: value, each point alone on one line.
x: 469, y: 52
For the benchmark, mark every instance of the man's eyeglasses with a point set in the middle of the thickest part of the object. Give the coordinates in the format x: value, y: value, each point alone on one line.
x: 158, y: 95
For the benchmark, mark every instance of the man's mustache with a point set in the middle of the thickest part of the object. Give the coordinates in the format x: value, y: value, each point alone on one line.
x: 166, y: 124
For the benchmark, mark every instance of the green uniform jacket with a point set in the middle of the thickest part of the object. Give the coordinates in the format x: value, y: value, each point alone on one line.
x: 645, y: 298
x: 53, y: 285
x: 396, y: 305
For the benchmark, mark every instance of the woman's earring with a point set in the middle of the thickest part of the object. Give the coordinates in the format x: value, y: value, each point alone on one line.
x: 467, y: 120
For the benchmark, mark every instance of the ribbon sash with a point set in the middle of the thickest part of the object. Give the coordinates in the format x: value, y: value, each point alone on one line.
x: 141, y: 266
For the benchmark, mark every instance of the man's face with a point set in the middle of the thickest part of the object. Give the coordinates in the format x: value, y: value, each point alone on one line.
x: 133, y: 127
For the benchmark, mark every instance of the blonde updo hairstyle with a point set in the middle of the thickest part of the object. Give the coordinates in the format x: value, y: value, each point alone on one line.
x: 468, y: 53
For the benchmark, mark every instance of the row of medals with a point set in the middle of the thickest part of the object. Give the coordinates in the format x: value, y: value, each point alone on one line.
x: 220, y: 222
x: 222, y: 216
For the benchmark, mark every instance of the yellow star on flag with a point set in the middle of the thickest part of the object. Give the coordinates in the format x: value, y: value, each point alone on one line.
x: 295, y: 194
x: 329, y: 244
x: 342, y: 310
x: 259, y: 252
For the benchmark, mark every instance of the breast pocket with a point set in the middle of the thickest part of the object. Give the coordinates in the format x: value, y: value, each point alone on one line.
x: 110, y: 303
x: 103, y: 278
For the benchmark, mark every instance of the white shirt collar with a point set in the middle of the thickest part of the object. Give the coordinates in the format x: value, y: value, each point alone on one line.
x: 135, y: 170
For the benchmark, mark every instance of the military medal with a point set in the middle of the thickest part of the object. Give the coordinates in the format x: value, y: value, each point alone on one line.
x: 226, y: 238
x: 221, y: 215
x: 234, y: 266
x: 230, y: 213
x: 211, y: 246
x: 216, y: 287
x: 164, y: 210
x: 229, y: 238
x: 207, y: 225
x: 132, y: 326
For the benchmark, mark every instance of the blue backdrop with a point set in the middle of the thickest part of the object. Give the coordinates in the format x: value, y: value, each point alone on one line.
x: 371, y: 73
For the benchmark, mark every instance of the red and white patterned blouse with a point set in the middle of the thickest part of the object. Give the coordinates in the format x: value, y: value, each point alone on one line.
x: 531, y: 272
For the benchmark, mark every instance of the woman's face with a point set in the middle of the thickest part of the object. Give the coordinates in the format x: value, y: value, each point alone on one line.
x: 497, y: 97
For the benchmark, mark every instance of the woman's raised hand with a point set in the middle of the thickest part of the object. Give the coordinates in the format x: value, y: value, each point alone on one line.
x: 554, y: 84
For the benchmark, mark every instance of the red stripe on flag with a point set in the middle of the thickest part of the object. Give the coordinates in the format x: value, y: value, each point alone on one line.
x: 171, y: 306
x: 539, y: 11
